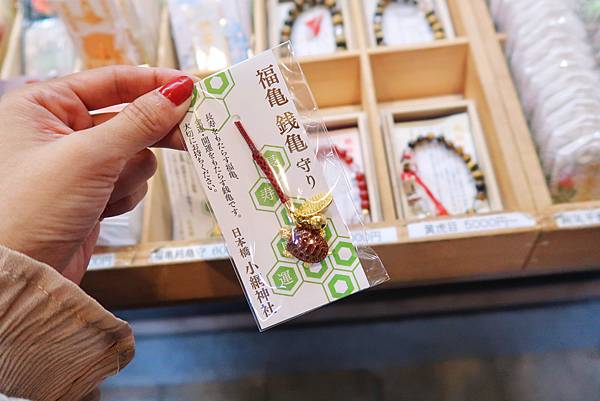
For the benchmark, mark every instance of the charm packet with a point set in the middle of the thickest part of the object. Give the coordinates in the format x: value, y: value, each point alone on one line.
x: 247, y: 131
x: 102, y: 31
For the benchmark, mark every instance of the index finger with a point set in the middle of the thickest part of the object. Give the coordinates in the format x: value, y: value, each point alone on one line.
x: 108, y: 86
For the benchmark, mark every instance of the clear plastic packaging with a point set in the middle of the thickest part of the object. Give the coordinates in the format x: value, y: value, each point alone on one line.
x: 405, y: 22
x: 210, y: 35
x: 440, y: 164
x: 589, y: 10
x: 47, y: 50
x: 314, y: 27
x: 550, y: 47
x: 348, y: 135
x: 103, y: 31
x: 248, y: 131
x: 574, y: 175
x: 122, y: 230
x: 190, y: 211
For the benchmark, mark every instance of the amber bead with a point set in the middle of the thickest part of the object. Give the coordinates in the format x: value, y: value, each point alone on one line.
x: 307, y: 245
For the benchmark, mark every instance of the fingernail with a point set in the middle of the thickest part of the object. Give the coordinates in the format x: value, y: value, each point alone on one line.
x: 178, y: 90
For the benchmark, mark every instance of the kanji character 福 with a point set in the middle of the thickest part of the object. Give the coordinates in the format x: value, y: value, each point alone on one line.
x: 286, y: 122
x: 276, y: 97
x: 267, y: 76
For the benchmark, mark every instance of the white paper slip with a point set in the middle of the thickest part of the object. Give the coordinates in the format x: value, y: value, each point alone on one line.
x: 248, y: 206
x: 578, y: 218
x: 189, y: 253
x: 501, y: 221
x: 375, y: 236
x: 102, y: 261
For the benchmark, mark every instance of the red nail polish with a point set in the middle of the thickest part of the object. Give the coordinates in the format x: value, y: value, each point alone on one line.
x: 178, y: 90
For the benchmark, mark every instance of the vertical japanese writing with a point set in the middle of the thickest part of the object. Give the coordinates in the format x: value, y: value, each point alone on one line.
x: 286, y: 120
x: 196, y: 151
x: 211, y: 126
x: 257, y: 283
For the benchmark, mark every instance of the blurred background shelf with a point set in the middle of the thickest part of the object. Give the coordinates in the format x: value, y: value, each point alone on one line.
x: 469, y: 67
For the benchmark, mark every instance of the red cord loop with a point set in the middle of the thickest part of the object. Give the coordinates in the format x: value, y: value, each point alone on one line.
x: 262, y: 162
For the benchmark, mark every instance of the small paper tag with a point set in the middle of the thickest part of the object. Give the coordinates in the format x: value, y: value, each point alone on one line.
x: 189, y: 253
x: 501, y: 221
x: 252, y: 218
x: 375, y: 236
x: 578, y: 218
x: 102, y: 261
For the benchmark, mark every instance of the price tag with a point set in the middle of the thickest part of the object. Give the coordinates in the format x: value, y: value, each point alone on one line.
x: 189, y: 253
x: 102, y: 261
x: 578, y: 218
x: 375, y: 236
x: 473, y: 224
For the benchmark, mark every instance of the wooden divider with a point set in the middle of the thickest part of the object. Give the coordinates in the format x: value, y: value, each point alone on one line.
x: 557, y: 249
x: 369, y: 79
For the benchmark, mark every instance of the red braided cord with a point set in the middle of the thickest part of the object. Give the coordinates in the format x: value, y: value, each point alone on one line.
x: 262, y: 163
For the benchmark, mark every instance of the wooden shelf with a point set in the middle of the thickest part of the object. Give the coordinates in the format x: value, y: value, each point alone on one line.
x: 367, y: 78
x: 557, y: 248
x: 469, y: 68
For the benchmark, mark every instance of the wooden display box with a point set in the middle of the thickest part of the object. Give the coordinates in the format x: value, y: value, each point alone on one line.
x: 12, y: 64
x: 358, y: 120
x: 412, y: 113
x: 575, y: 244
x: 363, y: 80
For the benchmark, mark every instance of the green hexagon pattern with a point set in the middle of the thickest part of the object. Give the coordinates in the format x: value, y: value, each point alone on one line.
x: 264, y: 197
x: 276, y: 157
x: 278, y: 245
x: 284, y: 278
x: 283, y: 217
x: 196, y: 95
x: 219, y: 111
x: 340, y: 284
x: 330, y: 232
x: 344, y: 254
x: 218, y: 85
x: 315, y: 272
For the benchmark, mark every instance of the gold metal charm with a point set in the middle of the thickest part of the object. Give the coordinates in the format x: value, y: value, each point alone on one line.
x: 306, y: 241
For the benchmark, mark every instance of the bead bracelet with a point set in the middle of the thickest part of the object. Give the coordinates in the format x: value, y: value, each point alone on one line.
x: 359, y: 176
x: 410, y: 178
x: 302, y: 5
x: 436, y: 26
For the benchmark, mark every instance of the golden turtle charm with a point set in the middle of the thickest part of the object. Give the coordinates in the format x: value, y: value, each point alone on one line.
x: 306, y: 241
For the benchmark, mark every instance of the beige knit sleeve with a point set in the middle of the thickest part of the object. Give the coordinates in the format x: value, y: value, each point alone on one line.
x: 56, y: 343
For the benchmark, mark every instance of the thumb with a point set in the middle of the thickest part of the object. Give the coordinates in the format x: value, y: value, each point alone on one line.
x: 147, y: 119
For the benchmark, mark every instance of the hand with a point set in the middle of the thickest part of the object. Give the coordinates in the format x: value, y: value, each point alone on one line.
x: 63, y: 170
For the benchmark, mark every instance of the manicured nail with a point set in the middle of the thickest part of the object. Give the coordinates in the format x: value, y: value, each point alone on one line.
x: 178, y: 90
